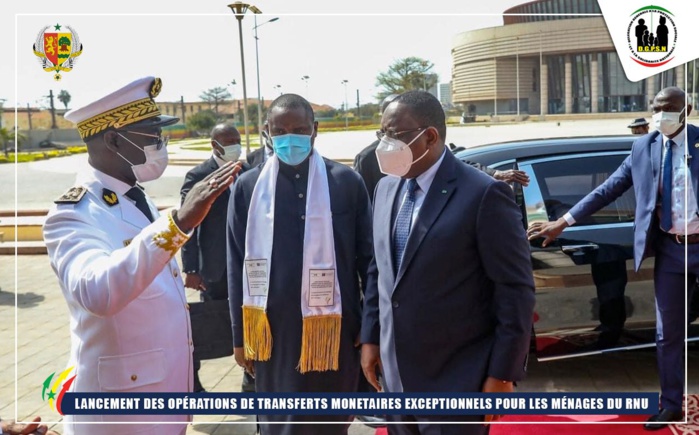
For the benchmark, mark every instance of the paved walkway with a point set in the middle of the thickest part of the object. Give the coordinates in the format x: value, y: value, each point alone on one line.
x: 43, y: 345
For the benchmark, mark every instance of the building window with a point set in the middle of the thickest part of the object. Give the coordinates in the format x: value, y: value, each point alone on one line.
x: 616, y: 92
x: 556, y: 84
x: 581, y: 83
x: 535, y: 80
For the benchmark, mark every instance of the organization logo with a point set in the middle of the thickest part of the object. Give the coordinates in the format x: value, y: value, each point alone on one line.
x: 57, y: 50
x: 652, y: 36
x: 53, y: 392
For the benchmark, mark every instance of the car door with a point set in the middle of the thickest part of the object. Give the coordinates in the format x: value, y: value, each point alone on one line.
x: 583, y: 304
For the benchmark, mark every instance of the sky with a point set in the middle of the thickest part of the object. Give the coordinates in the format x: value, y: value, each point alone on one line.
x: 194, y: 45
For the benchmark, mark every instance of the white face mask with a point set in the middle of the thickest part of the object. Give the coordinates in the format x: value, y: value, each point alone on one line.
x: 155, y: 164
x: 395, y: 157
x: 667, y: 122
x: 231, y: 153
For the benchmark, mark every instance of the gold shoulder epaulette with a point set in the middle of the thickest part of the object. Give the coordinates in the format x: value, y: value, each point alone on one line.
x: 72, y: 196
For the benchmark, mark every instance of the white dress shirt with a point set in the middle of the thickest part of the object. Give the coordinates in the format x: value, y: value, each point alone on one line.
x: 424, y: 181
x: 683, y: 212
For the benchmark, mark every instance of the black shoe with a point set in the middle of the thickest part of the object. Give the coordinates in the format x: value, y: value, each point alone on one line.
x: 665, y: 415
x: 198, y: 387
x: 375, y: 421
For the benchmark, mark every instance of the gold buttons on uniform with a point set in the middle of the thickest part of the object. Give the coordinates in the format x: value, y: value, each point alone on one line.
x: 186, y: 306
x: 134, y: 377
x: 174, y: 273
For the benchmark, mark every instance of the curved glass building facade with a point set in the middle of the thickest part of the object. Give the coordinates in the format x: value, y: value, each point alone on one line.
x: 545, y: 60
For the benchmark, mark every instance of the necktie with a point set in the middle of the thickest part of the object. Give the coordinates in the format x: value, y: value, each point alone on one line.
x: 139, y: 197
x: 666, y: 205
x: 403, y: 220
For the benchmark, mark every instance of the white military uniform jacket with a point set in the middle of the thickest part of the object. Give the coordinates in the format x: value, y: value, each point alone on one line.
x: 130, y: 328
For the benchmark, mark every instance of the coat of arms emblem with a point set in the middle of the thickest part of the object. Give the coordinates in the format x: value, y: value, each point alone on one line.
x: 57, y: 50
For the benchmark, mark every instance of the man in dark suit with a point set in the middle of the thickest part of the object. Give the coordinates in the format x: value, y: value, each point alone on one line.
x: 665, y: 225
x: 204, y: 255
x: 450, y: 304
x: 261, y: 154
x: 365, y: 162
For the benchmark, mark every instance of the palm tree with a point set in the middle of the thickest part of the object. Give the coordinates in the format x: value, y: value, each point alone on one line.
x: 64, y: 97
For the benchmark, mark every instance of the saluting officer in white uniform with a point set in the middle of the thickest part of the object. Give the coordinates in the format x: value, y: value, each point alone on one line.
x: 115, y: 259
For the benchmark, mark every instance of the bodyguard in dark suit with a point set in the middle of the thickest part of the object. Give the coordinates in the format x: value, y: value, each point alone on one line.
x: 261, y: 154
x: 365, y: 162
x: 204, y: 255
x: 450, y: 296
x: 657, y: 169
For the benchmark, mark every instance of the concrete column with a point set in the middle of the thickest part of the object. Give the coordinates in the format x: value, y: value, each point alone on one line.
x: 650, y: 91
x: 544, y: 88
x: 679, y: 75
x: 594, y: 82
x: 568, y: 97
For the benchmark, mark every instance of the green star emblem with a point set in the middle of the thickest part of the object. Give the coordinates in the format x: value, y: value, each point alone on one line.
x: 57, y: 27
x: 51, y: 395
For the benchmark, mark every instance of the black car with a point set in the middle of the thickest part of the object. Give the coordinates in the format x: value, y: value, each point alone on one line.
x: 567, y: 314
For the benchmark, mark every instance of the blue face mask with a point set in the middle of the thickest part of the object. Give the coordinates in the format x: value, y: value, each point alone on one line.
x: 292, y: 149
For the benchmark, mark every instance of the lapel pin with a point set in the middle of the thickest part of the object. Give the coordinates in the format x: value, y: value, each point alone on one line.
x: 696, y: 145
x: 444, y: 191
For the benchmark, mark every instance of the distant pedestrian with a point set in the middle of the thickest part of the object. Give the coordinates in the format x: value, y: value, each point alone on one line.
x: 639, y: 126
x: 204, y: 255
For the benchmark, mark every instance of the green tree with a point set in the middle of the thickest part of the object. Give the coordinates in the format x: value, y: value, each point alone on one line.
x: 252, y: 114
x: 215, y: 96
x: 405, y: 75
x: 64, y: 97
x: 368, y: 110
x: 201, y: 122
x: 328, y: 113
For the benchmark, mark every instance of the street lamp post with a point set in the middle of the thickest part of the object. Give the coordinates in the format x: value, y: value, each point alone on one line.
x: 344, y: 82
x: 257, y: 60
x: 2, y: 111
x: 517, y: 72
x: 541, y: 67
x: 305, y: 80
x: 239, y: 9
x: 236, y: 115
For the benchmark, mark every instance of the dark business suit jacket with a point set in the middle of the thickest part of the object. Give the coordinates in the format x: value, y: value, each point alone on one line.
x: 367, y: 165
x: 205, y: 251
x: 641, y: 169
x: 460, y: 307
x: 256, y: 157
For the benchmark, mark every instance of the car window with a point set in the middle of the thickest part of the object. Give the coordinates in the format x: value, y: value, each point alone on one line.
x: 564, y: 182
